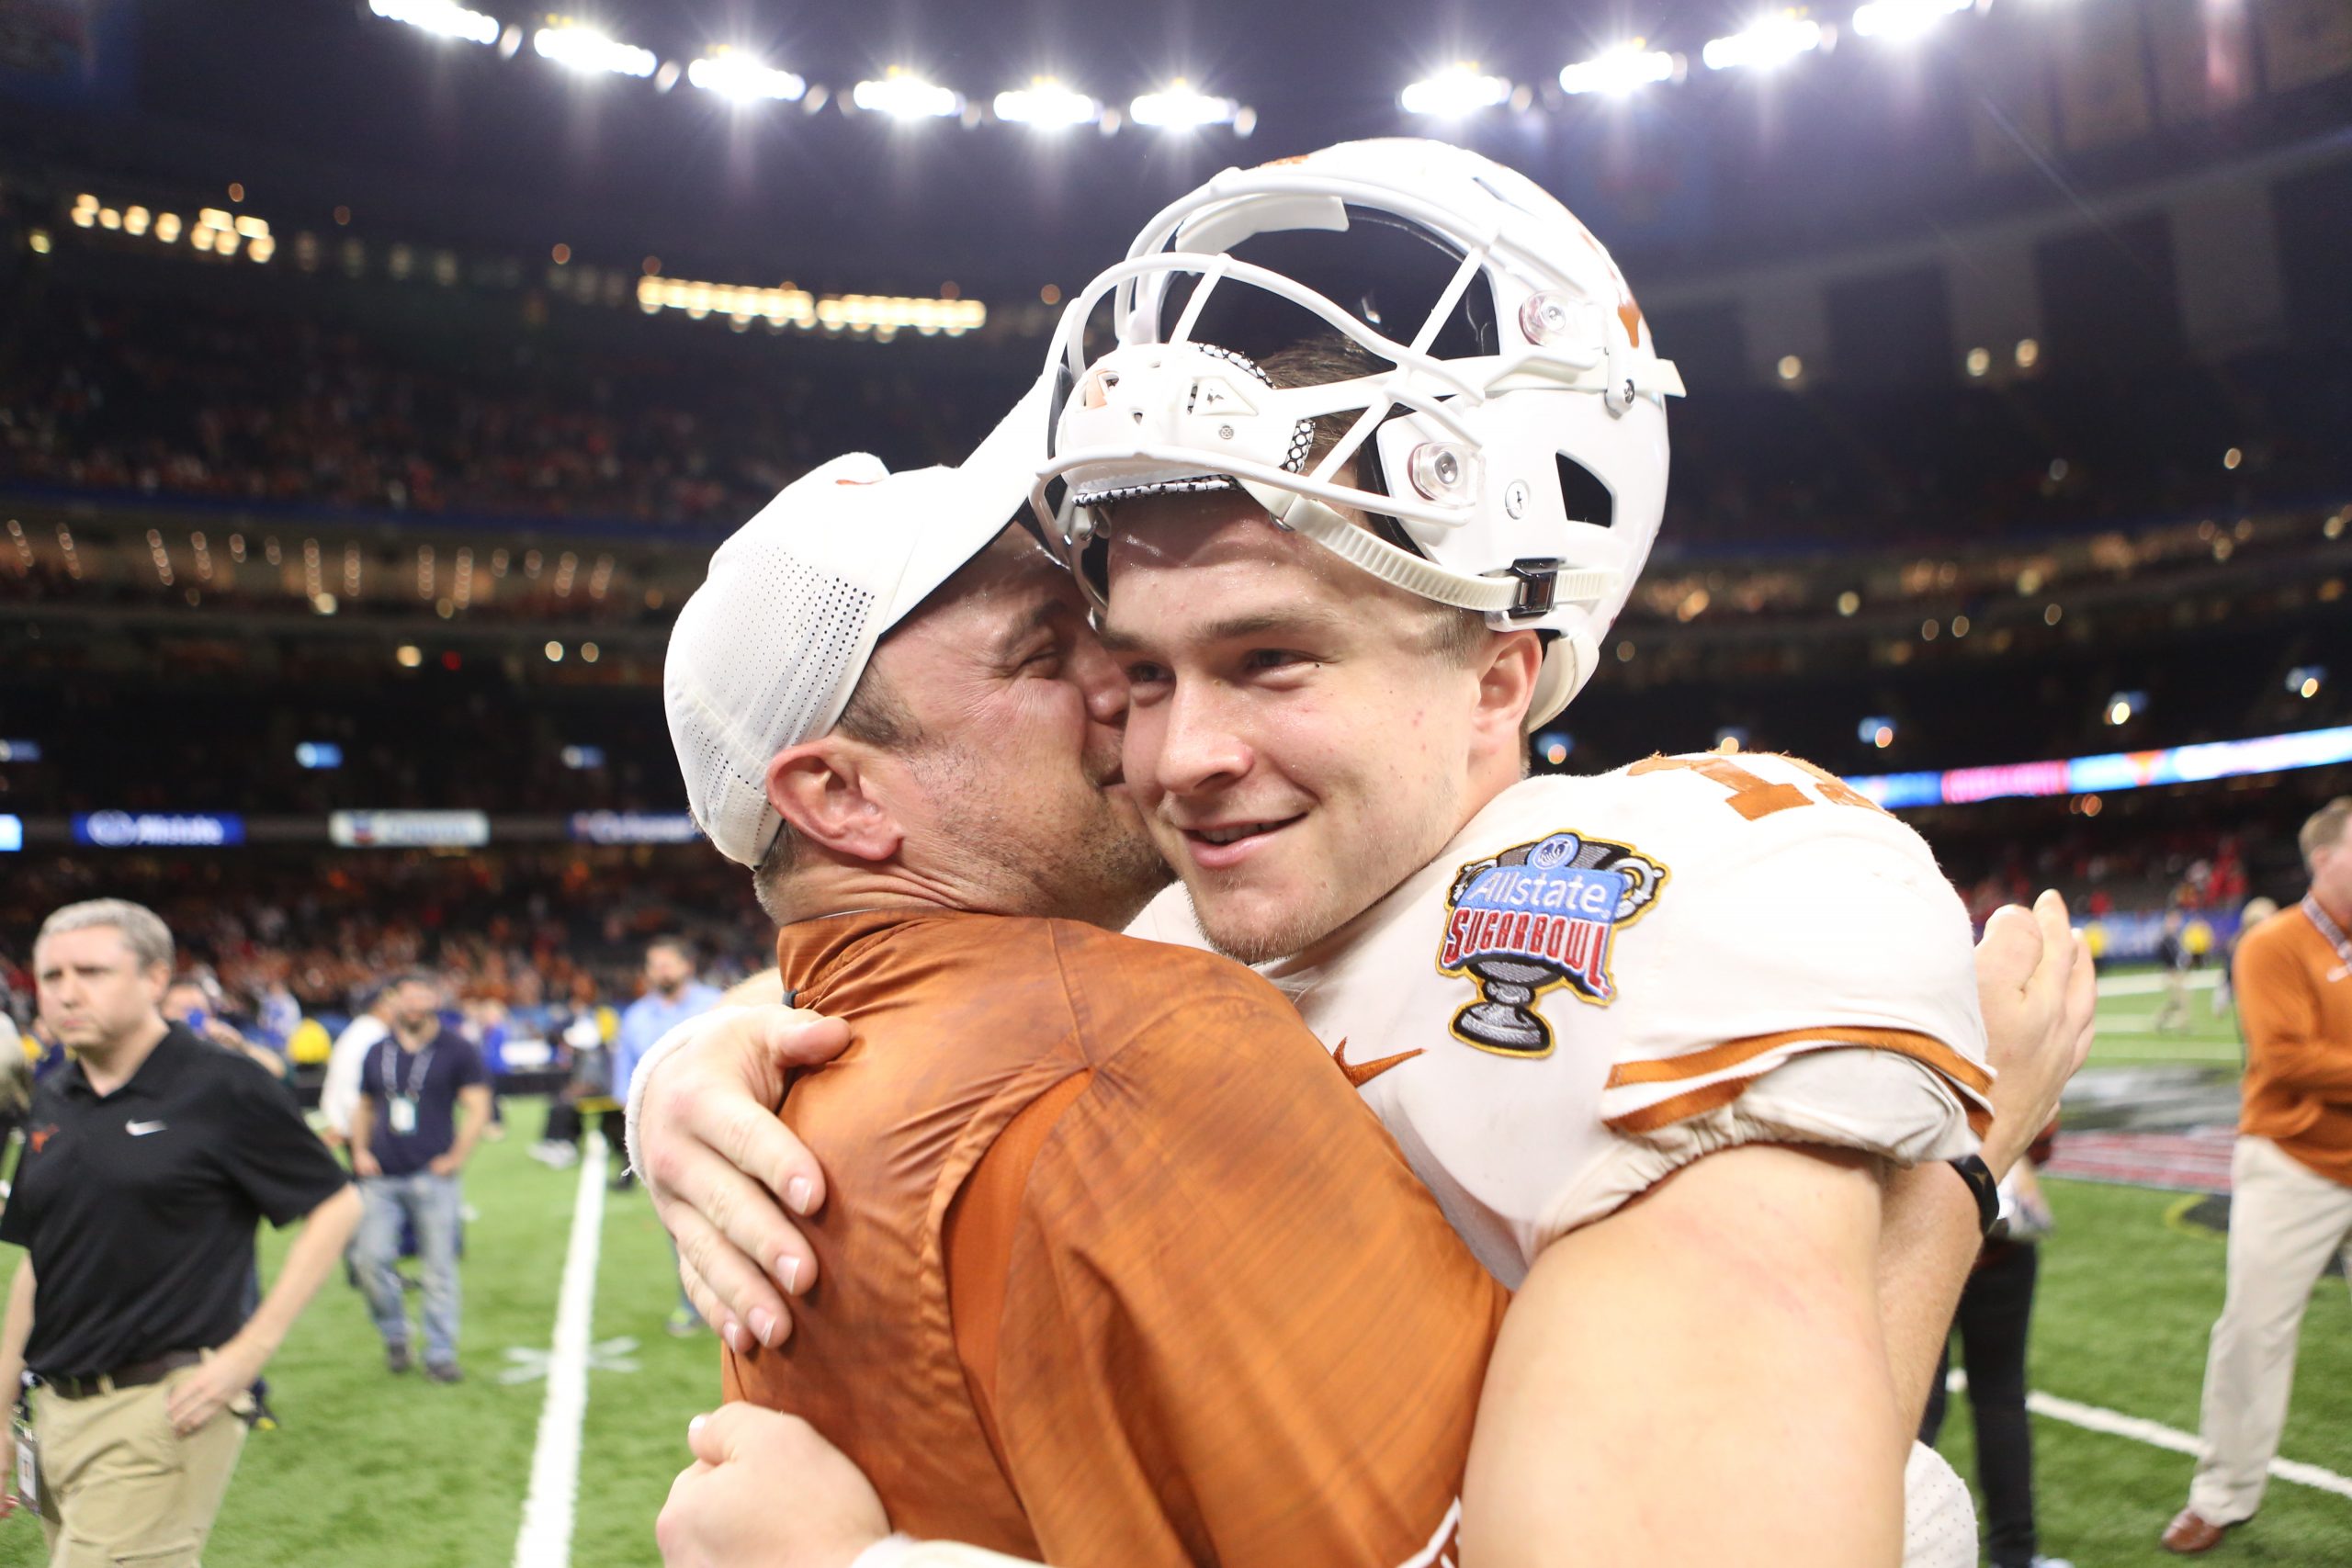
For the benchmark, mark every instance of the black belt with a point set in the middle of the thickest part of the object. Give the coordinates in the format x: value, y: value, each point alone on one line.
x: 138, y: 1374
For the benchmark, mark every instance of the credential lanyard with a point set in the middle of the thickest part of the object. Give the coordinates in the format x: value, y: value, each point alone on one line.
x: 416, y: 1078
x: 2327, y: 929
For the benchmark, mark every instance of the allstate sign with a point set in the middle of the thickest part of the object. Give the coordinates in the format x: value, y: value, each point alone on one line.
x: 158, y: 829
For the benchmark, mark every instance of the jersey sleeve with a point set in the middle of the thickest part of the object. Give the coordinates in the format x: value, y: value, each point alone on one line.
x: 271, y: 1156
x: 1808, y: 977
x: 1234, y: 1328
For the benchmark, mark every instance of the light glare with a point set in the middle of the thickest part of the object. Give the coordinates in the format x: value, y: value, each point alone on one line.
x: 1455, y: 91
x: 904, y: 96
x: 585, y: 49
x: 1047, y: 105
x: 1775, y: 40
x: 1618, y: 71
x: 442, y: 18
x: 1902, y: 20
x: 744, y: 79
x: 1180, y: 106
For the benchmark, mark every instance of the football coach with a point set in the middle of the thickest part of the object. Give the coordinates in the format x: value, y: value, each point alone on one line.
x: 147, y: 1161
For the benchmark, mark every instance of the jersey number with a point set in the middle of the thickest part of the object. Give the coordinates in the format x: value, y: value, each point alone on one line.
x: 1753, y: 797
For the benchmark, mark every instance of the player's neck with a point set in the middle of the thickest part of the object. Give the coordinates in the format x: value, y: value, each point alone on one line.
x: 111, y: 1065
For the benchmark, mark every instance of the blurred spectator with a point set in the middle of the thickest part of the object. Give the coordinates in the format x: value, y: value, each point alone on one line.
x: 132, y: 1312
x: 340, y: 1096
x: 2177, y: 955
x: 671, y: 996
x: 2291, y: 1179
x: 1996, y: 1310
x: 194, y: 1001
x: 424, y: 1099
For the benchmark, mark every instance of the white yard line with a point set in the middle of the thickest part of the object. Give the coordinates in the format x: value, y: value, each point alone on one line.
x: 2149, y: 985
x: 2115, y: 1424
x: 545, y: 1537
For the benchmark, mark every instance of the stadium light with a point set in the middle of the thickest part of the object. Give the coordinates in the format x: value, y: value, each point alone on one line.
x: 1460, y: 89
x: 1182, y: 107
x: 1555, y: 746
x: 587, y: 50
x: 1903, y: 20
x: 1877, y: 732
x: 744, y: 78
x: 1775, y: 40
x: 441, y: 18
x: 2122, y: 707
x: 903, y: 96
x: 1047, y: 105
x: 1618, y: 71
x: 2304, y: 680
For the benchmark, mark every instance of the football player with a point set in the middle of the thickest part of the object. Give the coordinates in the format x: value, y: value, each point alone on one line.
x: 1731, y: 988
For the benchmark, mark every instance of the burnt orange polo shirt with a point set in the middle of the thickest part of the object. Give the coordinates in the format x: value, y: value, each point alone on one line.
x: 1115, y: 1268
x: 2294, y: 995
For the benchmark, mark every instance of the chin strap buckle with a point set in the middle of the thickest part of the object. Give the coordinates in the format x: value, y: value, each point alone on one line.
x: 1538, y: 577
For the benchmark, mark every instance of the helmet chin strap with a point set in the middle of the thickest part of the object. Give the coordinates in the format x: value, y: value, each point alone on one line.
x: 1570, y: 657
x: 1359, y: 547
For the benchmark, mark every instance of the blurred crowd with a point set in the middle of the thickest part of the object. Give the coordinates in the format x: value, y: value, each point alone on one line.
x: 199, y: 398
x: 470, y: 411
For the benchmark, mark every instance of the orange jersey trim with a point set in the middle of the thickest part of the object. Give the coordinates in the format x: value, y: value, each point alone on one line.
x: 1925, y: 1049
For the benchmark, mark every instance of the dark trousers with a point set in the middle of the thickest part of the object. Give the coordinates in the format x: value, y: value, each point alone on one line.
x: 1993, y: 1310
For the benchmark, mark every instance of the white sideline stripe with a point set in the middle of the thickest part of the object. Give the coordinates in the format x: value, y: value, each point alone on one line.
x: 545, y: 1537
x: 2149, y: 985
x: 2115, y: 1424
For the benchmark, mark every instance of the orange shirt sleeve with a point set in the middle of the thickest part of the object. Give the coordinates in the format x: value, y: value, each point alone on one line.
x: 2278, y: 1009
x: 1235, y: 1330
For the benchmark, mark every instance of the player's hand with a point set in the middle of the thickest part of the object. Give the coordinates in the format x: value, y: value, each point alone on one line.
x: 767, y: 1492
x: 2034, y: 979
x: 444, y: 1163
x: 723, y: 1171
x: 364, y: 1164
x: 212, y: 1386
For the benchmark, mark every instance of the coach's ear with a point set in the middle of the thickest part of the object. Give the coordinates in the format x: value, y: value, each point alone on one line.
x: 822, y: 789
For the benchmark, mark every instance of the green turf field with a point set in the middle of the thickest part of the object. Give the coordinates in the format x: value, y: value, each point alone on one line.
x: 370, y: 1470
x: 2127, y: 1034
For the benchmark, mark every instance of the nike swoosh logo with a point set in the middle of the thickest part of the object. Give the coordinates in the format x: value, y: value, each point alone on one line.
x: 140, y: 1129
x: 1362, y: 1073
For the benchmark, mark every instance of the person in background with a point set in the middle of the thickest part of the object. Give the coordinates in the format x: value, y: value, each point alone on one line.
x: 130, y: 1311
x: 424, y: 1099
x: 2291, y: 1178
x: 2176, y: 957
x: 339, y: 1096
x: 2256, y: 910
x: 1995, y: 1307
x: 194, y: 1000
x: 671, y: 996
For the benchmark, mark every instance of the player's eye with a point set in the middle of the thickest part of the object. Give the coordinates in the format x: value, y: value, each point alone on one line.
x: 1262, y: 658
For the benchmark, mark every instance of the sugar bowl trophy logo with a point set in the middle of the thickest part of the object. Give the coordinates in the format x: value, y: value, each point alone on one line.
x: 1537, y: 916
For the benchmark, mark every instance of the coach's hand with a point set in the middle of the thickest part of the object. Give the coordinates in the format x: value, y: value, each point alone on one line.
x: 723, y: 1171
x: 212, y: 1386
x: 767, y: 1492
x: 2035, y: 980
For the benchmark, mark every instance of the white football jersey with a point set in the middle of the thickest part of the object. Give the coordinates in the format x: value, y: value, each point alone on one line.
x: 1602, y: 979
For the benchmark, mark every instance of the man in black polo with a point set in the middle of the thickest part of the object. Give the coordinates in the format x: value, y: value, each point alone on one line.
x: 148, y: 1160
x: 425, y: 1098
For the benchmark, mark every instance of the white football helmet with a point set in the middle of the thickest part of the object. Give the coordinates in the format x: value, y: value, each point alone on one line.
x: 1467, y: 449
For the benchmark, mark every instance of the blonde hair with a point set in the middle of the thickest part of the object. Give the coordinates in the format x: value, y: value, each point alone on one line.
x: 2325, y: 828
x: 144, y: 930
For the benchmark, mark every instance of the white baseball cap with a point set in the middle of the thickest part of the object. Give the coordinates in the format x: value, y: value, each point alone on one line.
x: 767, y: 651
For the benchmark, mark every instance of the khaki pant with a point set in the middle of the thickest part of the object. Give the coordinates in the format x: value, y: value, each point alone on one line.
x: 2285, y: 1219
x: 125, y: 1491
